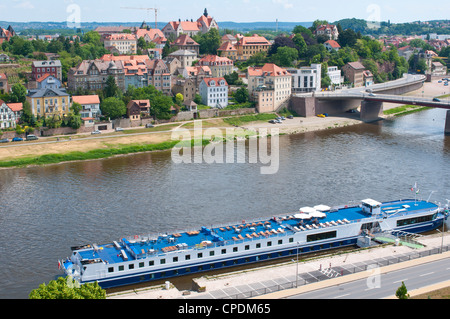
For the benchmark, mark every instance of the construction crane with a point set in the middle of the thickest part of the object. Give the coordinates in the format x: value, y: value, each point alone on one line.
x: 148, y: 10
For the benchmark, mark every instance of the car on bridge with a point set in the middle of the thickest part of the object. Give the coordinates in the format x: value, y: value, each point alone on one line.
x: 436, y: 100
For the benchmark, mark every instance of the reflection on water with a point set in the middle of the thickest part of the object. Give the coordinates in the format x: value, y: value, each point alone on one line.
x: 46, y: 210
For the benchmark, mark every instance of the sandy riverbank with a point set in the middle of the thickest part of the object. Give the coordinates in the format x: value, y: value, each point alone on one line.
x: 109, y: 140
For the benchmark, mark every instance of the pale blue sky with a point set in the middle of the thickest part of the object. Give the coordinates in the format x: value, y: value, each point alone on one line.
x: 225, y: 10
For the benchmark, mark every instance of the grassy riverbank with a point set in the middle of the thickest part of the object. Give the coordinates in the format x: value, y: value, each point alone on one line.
x: 405, y: 110
x: 92, y: 154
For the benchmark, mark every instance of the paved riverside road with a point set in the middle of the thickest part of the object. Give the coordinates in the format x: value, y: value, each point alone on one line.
x: 379, y: 286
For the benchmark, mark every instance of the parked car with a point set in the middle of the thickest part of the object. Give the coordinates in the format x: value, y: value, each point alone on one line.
x: 96, y: 132
x: 273, y: 122
x: 17, y: 139
x: 149, y: 125
x: 119, y: 129
x: 32, y: 137
x: 290, y: 117
x: 4, y: 140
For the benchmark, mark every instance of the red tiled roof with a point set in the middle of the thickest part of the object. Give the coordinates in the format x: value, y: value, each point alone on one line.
x: 269, y: 69
x: 333, y: 44
x: 253, y: 40
x: 15, y: 107
x: 184, y: 39
x: 226, y: 46
x: 42, y: 78
x: 211, y: 59
x: 208, y: 81
x: 86, y: 99
x: 120, y: 36
x: 152, y: 33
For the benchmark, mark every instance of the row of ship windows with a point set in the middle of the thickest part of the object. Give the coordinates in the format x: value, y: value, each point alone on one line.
x: 291, y: 252
x: 162, y: 261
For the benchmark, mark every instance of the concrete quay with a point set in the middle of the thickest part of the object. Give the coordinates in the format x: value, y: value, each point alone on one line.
x: 240, y: 284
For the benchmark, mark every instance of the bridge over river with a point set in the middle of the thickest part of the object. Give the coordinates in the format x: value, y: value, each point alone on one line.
x: 370, y: 100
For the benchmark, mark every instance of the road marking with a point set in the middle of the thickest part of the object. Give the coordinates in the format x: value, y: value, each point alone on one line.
x: 341, y: 296
x: 400, y: 281
x: 430, y: 273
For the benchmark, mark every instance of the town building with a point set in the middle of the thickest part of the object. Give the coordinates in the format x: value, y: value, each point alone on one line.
x: 368, y: 78
x: 214, y: 92
x: 9, y: 114
x: 206, y: 23
x: 228, y: 50
x: 92, y: 75
x: 4, y: 57
x: 187, y: 87
x: 173, y: 64
x: 306, y: 79
x: 270, y: 86
x: 46, y: 102
x: 159, y: 75
x: 185, y: 42
x: 174, y: 29
x: 48, y: 81
x: 6, y: 34
x: 103, y: 31
x: 148, y: 34
x: 246, y: 47
x: 437, y: 68
x: 331, y: 45
x: 90, y: 106
x: 136, y: 108
x: 40, y: 68
x: 328, y: 30
x: 3, y: 83
x: 135, y: 72
x: 186, y: 57
x: 335, y: 75
x: 354, y: 72
x: 124, y: 43
x: 220, y: 66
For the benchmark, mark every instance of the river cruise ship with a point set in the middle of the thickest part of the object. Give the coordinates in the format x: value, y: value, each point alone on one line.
x: 147, y: 258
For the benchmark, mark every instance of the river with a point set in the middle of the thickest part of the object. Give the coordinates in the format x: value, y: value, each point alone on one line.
x: 46, y: 210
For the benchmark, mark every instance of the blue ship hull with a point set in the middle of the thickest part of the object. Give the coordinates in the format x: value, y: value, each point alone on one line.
x: 145, y: 259
x: 219, y: 264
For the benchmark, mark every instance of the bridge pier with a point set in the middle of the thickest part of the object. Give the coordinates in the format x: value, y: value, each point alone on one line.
x: 371, y: 111
x: 447, y: 123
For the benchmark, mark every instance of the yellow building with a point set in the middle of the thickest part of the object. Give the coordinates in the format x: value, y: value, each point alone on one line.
x: 244, y: 48
x: 48, y: 102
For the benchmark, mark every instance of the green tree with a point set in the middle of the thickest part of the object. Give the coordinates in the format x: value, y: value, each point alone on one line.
x: 113, y: 107
x: 92, y: 37
x: 27, y: 117
x: 209, y: 42
x: 402, y: 292
x: 76, y: 108
x: 75, y: 121
x: 241, y: 95
x: 161, y: 107
x: 111, y: 89
x: 18, y: 93
x: 179, y: 98
x: 302, y: 47
x: 347, y: 38
x: 66, y: 288
x: 285, y: 56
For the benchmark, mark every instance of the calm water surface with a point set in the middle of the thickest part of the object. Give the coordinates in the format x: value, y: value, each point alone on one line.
x: 46, y: 210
